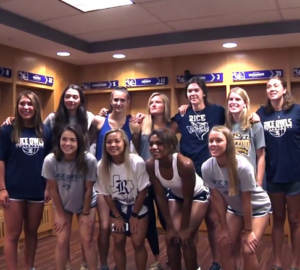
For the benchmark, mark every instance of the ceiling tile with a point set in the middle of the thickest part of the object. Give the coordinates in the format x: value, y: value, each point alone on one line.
x: 291, y: 14
x: 289, y: 4
x: 226, y: 20
x: 140, y: 30
x: 168, y: 10
x: 39, y: 10
x: 127, y: 16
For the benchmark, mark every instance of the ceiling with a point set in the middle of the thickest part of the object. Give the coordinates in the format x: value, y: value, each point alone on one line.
x: 148, y: 29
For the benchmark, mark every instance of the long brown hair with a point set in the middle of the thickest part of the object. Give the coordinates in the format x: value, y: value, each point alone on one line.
x: 80, y: 161
x: 37, y: 118
x: 231, y: 161
x: 288, y: 100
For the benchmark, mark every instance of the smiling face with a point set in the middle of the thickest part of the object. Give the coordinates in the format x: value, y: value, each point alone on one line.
x: 68, y: 143
x: 235, y: 103
x: 156, y: 105
x: 275, y: 90
x: 217, y: 144
x: 195, y: 94
x: 115, y: 144
x: 72, y: 99
x: 119, y: 101
x: 25, y: 108
x: 157, y: 149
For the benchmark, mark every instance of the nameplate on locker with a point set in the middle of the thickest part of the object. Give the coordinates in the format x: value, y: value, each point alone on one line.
x: 256, y: 74
x: 156, y: 81
x: 296, y: 72
x: 36, y: 78
x: 5, y: 72
x: 208, y: 77
x: 99, y: 85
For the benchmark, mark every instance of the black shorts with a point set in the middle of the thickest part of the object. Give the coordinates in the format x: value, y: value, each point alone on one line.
x: 203, y: 196
x: 32, y: 200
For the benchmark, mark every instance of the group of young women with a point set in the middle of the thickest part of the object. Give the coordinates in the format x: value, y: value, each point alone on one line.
x: 215, y: 173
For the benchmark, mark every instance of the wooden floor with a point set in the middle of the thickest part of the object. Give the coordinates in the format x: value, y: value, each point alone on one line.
x: 45, y: 254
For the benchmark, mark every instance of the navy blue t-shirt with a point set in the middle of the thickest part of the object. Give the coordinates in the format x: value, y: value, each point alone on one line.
x: 194, y: 128
x: 24, y: 162
x: 282, y: 135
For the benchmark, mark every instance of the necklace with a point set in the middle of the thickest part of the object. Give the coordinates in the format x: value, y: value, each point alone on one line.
x: 198, y: 112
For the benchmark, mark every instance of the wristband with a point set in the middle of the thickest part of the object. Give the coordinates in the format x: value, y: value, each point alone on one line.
x: 85, y: 214
x: 135, y: 215
x: 248, y: 230
x: 119, y: 217
x: 2, y: 189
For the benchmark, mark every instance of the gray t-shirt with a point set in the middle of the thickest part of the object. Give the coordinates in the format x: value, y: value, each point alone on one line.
x: 71, y: 185
x: 248, y: 141
x: 49, y: 121
x: 217, y: 178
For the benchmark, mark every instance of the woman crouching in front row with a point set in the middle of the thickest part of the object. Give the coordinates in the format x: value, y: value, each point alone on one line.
x: 241, y: 204
x: 187, y: 199
x: 123, y: 180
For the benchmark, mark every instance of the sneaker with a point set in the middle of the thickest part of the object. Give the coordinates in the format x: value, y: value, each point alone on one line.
x: 215, y: 266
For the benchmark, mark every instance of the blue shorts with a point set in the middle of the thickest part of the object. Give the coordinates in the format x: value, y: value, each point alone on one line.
x: 32, y: 200
x: 260, y: 214
x: 203, y: 196
x: 288, y: 188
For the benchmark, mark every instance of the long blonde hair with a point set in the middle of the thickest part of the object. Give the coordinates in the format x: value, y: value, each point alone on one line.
x: 231, y: 162
x: 106, y: 161
x: 147, y: 126
x: 37, y: 119
x: 245, y: 123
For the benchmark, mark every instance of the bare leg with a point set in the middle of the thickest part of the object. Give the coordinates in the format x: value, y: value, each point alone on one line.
x: 62, y: 243
x: 278, y: 206
x: 33, y: 217
x: 138, y: 242
x: 198, y: 213
x: 293, y: 207
x: 104, y: 230
x: 173, y: 250
x: 259, y: 225
x: 119, y: 248
x: 235, y: 225
x: 86, y: 235
x: 13, y: 220
x: 213, y: 229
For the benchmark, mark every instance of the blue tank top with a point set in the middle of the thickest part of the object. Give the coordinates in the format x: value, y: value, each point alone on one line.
x: 106, y: 127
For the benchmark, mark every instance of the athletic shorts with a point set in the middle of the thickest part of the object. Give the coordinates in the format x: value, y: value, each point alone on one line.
x: 259, y: 214
x: 126, y: 216
x: 203, y: 196
x: 32, y: 200
x: 289, y: 188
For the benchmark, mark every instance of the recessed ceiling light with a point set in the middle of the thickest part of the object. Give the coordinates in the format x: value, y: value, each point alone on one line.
x: 63, y: 53
x: 119, y: 55
x: 229, y: 45
x: 91, y: 5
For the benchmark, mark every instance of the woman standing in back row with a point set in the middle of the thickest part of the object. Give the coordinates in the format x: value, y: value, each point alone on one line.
x: 23, y: 191
x: 281, y: 121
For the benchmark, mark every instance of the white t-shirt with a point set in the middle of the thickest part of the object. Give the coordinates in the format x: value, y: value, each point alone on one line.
x: 122, y: 189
